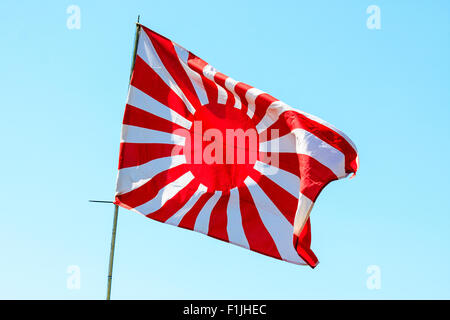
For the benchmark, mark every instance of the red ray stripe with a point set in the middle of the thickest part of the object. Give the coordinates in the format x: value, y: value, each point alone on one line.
x: 256, y: 233
x: 262, y: 103
x: 220, y: 79
x: 286, y: 161
x: 147, y: 80
x: 150, y: 189
x: 135, y: 154
x: 176, y: 203
x: 188, y: 221
x: 197, y: 64
x: 218, y: 218
x: 283, y: 200
x: 302, y: 244
x: 211, y: 89
x: 140, y: 118
x: 241, y: 89
x: 315, y: 176
x: 166, y: 52
x: 290, y: 120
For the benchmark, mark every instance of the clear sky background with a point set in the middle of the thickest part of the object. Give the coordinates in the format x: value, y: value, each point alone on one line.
x: 62, y: 100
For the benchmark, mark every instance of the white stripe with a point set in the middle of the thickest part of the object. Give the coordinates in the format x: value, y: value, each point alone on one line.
x: 331, y: 127
x: 272, y: 114
x: 275, y: 222
x: 165, y: 194
x: 230, y: 84
x: 222, y: 95
x: 148, y: 53
x: 303, y: 142
x: 202, y: 222
x: 286, y: 180
x: 251, y: 96
x: 235, y: 229
x: 141, y: 100
x: 178, y: 216
x: 195, y: 78
x: 133, y: 134
x: 278, y: 107
x: 133, y: 177
x: 301, y: 215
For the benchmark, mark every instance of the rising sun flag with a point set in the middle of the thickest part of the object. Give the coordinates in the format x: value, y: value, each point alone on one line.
x: 202, y: 151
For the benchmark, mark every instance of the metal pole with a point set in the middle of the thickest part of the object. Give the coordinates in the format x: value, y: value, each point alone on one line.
x: 111, y: 253
x: 136, y: 39
x: 116, y: 207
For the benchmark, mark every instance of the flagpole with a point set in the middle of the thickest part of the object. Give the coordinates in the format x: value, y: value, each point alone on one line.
x: 116, y: 207
x: 111, y: 253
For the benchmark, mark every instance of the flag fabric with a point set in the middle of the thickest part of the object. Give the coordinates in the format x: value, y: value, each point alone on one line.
x: 202, y: 151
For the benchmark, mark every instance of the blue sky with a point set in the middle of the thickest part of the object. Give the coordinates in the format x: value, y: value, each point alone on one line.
x: 63, y: 93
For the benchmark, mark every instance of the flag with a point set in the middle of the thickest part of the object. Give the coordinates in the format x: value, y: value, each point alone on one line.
x: 202, y: 151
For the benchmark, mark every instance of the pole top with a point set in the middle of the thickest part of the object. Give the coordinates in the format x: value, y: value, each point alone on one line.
x: 101, y: 201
